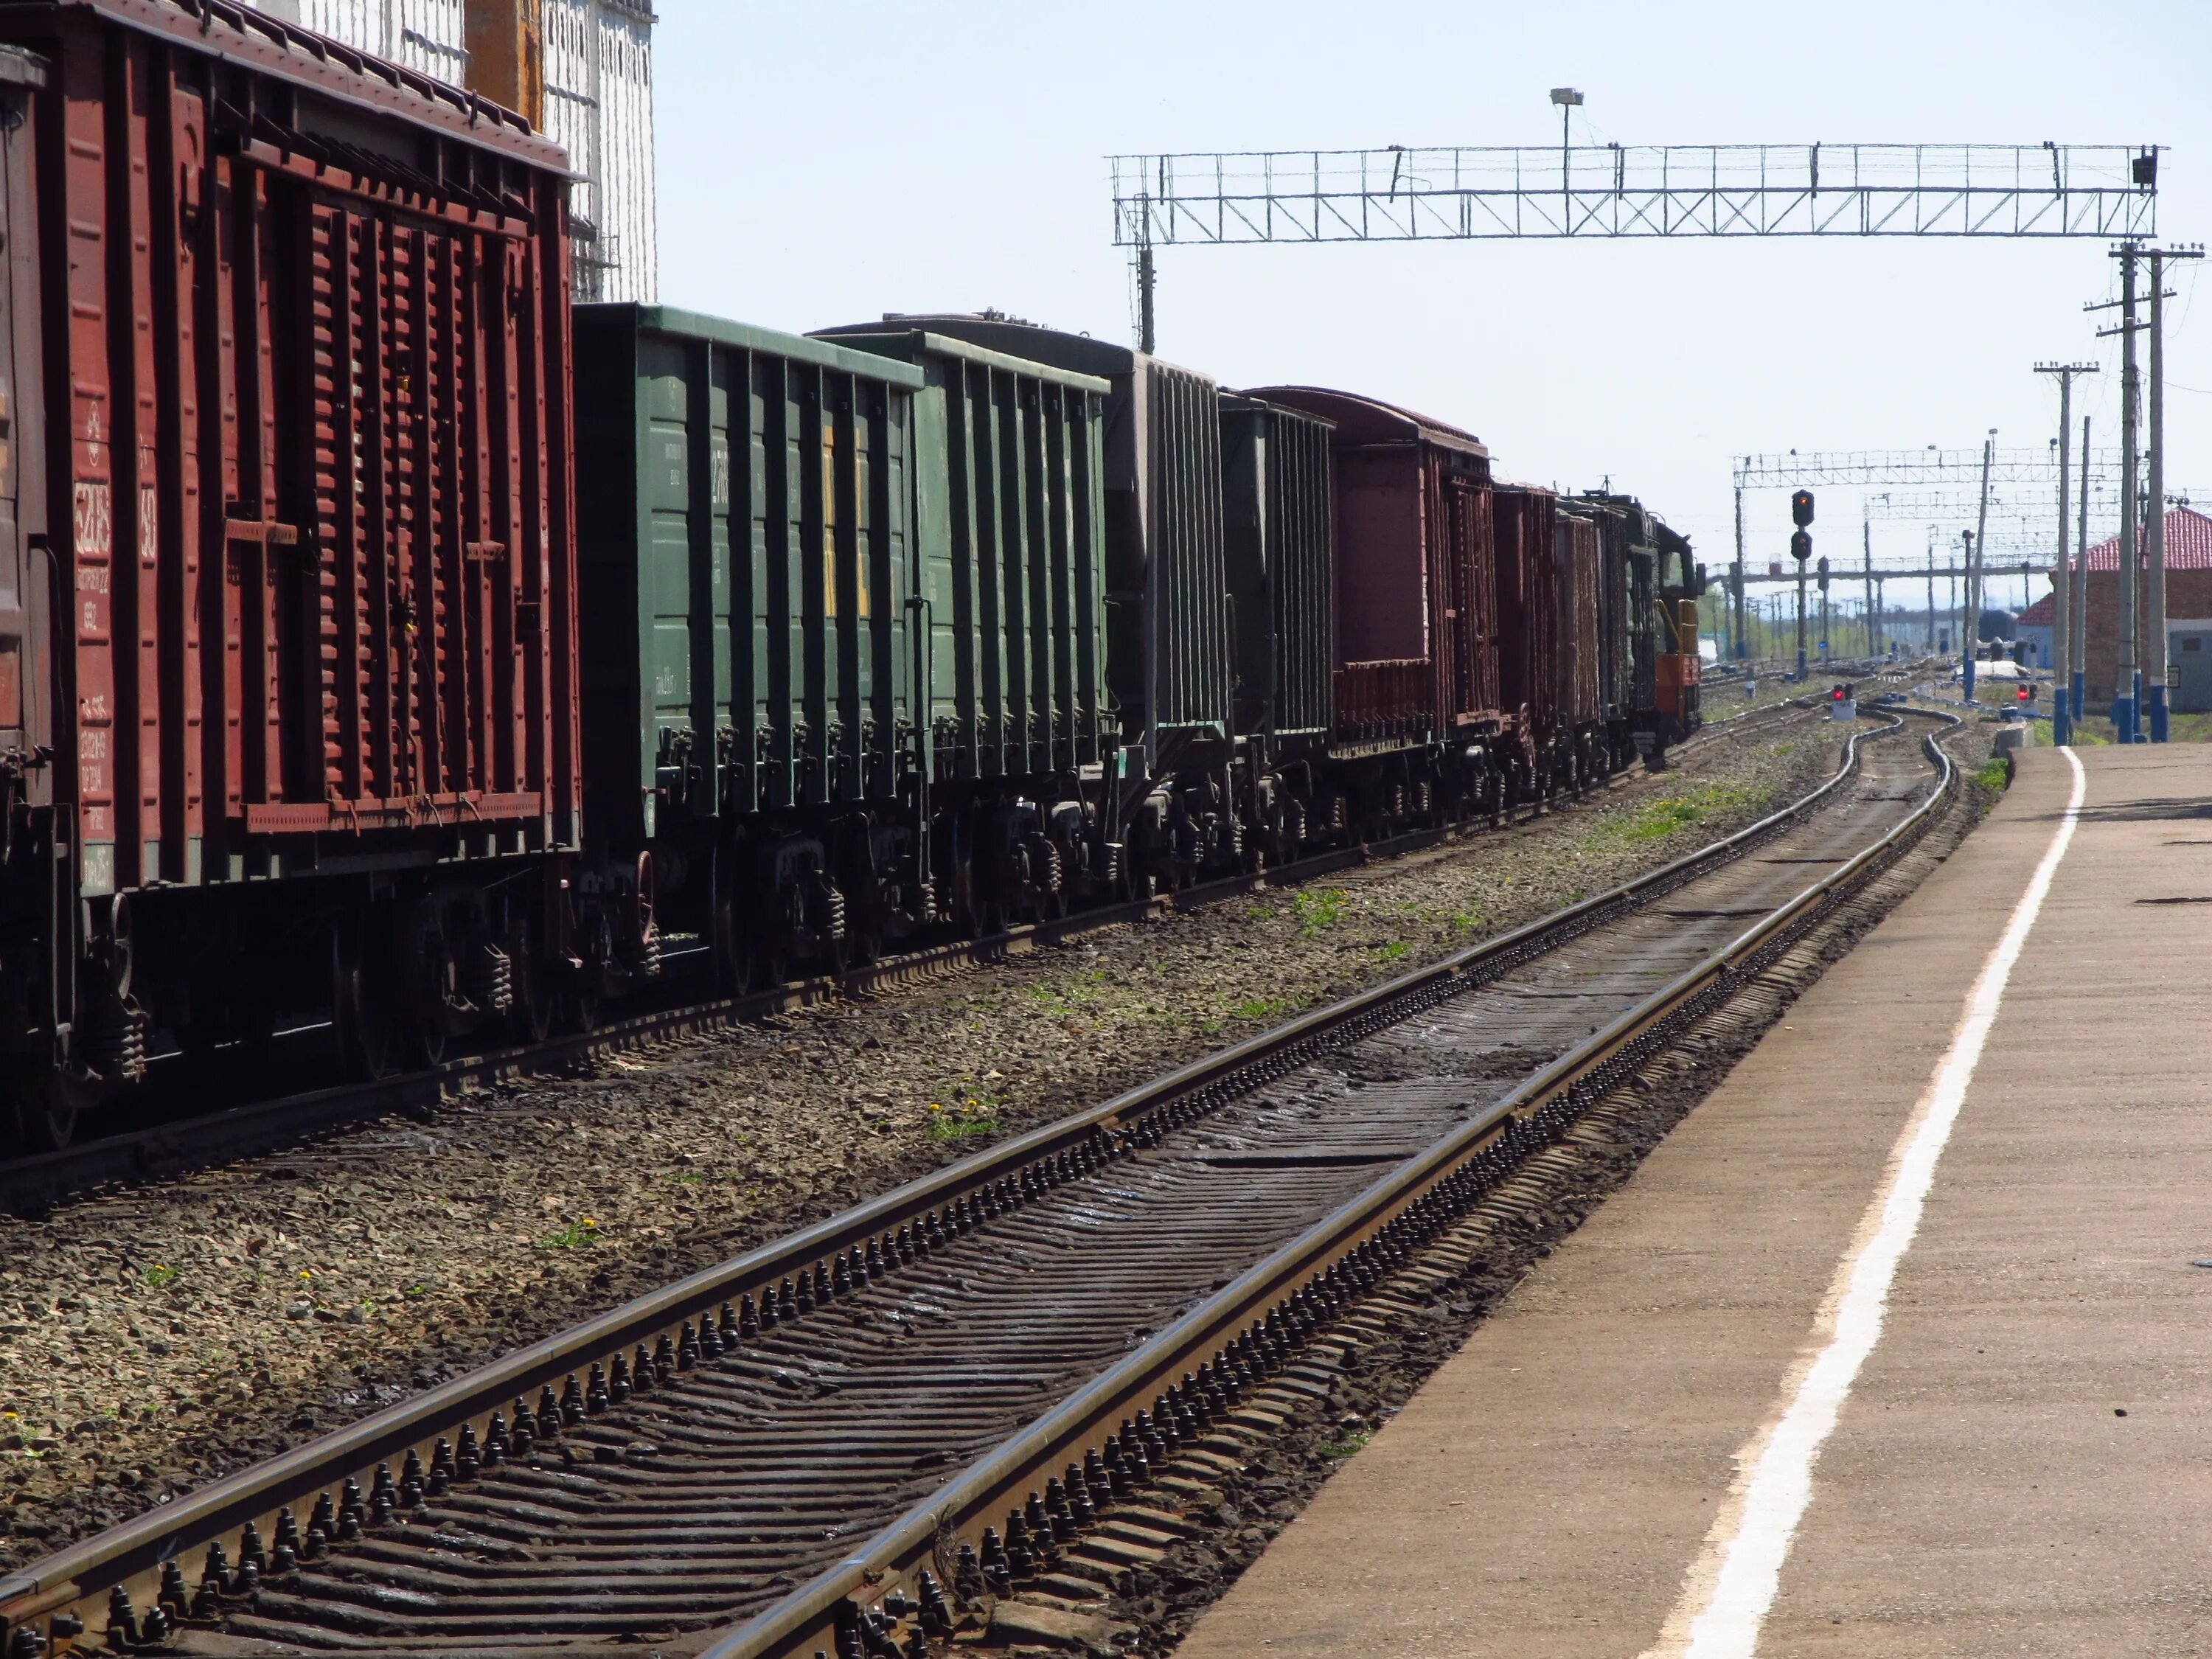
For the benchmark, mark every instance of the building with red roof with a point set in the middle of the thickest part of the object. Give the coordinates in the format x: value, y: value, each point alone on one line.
x: 2188, y: 614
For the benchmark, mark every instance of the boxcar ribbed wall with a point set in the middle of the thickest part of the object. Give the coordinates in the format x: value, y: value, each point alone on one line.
x: 746, y: 573
x: 1616, y: 664
x: 315, y: 409
x: 1186, y: 591
x: 1011, y: 520
x: 1575, y: 559
x: 1278, y: 526
x: 1526, y: 624
x: 1301, y: 562
x: 1022, y: 572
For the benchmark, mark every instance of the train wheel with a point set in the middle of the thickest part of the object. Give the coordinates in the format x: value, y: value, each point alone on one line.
x: 47, y: 1112
x: 425, y: 974
x: 1141, y: 884
x: 734, y: 965
x: 360, y: 1000
x: 583, y: 999
x: 529, y: 1019
x: 581, y: 1005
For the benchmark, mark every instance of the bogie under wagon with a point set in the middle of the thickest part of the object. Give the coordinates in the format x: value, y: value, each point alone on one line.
x: 286, y: 627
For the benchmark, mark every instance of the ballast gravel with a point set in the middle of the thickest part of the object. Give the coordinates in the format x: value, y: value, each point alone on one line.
x: 155, y: 1338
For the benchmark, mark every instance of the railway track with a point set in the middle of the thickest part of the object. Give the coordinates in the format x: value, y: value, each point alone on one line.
x: 181, y: 1135
x: 1074, y: 1327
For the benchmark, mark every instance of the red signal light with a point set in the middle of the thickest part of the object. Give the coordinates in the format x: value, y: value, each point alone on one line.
x: 1836, y: 695
x: 2025, y: 693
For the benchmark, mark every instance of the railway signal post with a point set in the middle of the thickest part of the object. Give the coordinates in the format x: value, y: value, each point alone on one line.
x: 1801, y: 549
x: 1824, y: 610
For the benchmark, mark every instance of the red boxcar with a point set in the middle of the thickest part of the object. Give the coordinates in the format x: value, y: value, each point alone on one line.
x: 286, y: 559
x: 1415, y: 622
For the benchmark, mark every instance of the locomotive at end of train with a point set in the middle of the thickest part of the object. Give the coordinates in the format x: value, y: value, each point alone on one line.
x: 385, y: 639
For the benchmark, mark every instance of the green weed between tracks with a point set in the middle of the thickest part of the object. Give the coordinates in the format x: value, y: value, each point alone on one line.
x: 576, y: 1236
x: 963, y: 1120
x: 1317, y: 908
x: 1658, y: 819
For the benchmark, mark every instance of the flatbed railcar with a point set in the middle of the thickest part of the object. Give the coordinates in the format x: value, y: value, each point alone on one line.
x: 287, y: 642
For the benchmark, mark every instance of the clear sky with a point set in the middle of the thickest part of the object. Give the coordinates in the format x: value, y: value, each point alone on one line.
x: 829, y: 161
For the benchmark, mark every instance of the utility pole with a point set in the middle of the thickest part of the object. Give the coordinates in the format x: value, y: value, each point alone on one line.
x: 2064, y: 665
x: 2154, y: 641
x: 1146, y: 338
x: 2127, y: 687
x: 1964, y: 591
x: 1738, y: 571
x: 1931, y: 590
x: 2082, y: 586
x: 1825, y: 633
x: 1866, y: 531
x: 1972, y: 635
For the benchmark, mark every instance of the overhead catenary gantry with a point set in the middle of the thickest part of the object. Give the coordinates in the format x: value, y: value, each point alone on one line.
x: 1407, y: 193
x: 1402, y: 193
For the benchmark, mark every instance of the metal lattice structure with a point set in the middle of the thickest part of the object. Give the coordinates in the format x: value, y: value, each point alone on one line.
x: 1400, y: 194
x: 1879, y: 468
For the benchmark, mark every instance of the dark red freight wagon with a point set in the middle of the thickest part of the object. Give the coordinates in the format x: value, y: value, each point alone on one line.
x: 1417, y: 666
x: 287, y: 626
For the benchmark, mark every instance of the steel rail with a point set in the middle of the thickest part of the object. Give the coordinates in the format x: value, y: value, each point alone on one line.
x: 1270, y: 1307
x: 130, y: 1556
x: 181, y: 1146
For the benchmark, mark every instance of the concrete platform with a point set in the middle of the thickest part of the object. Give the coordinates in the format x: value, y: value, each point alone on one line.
x: 2020, y: 1463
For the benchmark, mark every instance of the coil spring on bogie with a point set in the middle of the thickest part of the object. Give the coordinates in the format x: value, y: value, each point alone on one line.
x: 491, y: 978
x: 115, y: 1039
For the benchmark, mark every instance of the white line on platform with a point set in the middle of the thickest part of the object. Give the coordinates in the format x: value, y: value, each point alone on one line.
x: 1725, y: 1598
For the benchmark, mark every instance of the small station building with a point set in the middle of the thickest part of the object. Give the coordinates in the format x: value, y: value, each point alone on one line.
x: 2188, y: 617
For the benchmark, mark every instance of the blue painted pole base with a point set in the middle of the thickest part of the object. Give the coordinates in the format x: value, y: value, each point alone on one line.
x: 2158, y: 715
x: 2124, y: 719
x: 2079, y: 679
x: 2062, y: 723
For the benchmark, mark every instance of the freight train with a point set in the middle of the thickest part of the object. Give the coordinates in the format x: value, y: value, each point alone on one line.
x: 386, y: 638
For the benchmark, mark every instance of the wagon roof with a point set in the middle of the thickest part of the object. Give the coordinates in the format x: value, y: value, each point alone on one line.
x: 239, y: 34
x: 1030, y: 341
x: 886, y: 336
x: 748, y: 337
x: 1363, y: 420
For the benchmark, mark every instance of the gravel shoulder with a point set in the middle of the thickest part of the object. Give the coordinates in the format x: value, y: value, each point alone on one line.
x: 153, y: 1339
